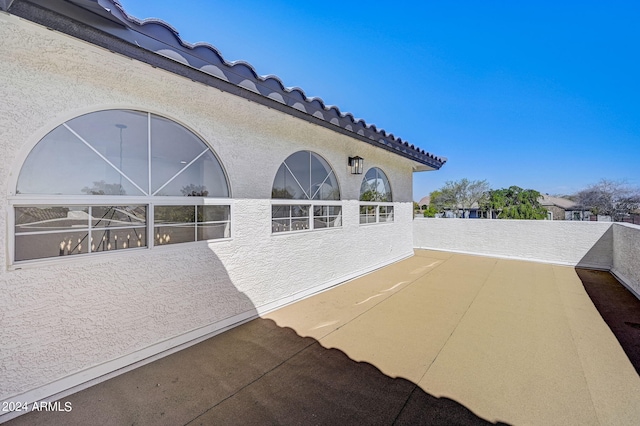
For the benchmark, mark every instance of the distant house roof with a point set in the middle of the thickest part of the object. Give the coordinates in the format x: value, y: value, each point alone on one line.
x: 105, y: 23
x: 563, y: 203
x: 424, y: 201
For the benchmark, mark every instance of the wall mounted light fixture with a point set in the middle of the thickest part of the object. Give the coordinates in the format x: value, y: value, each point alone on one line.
x: 357, y: 164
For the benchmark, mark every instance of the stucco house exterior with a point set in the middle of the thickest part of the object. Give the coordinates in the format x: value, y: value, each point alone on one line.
x: 559, y: 208
x: 424, y: 202
x: 474, y: 212
x: 154, y: 194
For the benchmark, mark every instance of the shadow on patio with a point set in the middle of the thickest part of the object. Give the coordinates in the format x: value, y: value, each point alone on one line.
x: 258, y: 373
x: 619, y: 309
x: 438, y: 338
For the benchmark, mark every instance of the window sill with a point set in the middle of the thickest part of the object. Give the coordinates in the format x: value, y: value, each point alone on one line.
x: 76, y: 258
x: 176, y: 246
x: 305, y: 231
x: 105, y: 256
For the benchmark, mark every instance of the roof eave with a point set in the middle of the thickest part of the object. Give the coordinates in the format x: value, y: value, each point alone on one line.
x: 106, y: 24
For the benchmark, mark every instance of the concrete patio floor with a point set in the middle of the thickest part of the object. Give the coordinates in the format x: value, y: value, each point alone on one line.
x: 439, y: 338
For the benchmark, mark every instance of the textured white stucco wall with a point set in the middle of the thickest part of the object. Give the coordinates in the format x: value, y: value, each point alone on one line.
x: 587, y: 244
x: 599, y: 245
x: 67, y: 321
x: 626, y: 255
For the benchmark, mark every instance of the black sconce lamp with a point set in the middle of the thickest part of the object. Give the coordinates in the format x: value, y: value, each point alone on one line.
x: 357, y: 164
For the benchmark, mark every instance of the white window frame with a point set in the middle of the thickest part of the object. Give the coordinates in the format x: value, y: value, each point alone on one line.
x: 309, y: 201
x: 377, y: 206
x: 200, y: 201
x: 149, y: 199
x: 107, y: 200
x: 311, y: 204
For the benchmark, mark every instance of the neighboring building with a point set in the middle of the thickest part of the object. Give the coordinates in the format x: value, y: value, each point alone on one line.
x: 155, y: 194
x: 424, y: 202
x: 634, y: 217
x: 557, y: 208
x: 564, y: 209
x: 471, y: 213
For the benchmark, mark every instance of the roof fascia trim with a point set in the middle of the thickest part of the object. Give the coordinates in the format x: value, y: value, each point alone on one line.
x: 5, y: 4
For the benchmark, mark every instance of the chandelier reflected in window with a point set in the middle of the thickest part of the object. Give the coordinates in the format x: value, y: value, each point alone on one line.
x: 122, y: 162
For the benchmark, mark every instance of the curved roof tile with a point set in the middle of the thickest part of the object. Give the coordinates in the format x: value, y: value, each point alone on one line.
x: 214, y: 71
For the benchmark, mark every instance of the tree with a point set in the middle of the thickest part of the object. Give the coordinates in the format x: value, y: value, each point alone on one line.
x: 433, y: 208
x: 430, y: 211
x: 192, y: 190
x: 104, y: 188
x: 610, y: 198
x: 515, y: 203
x: 368, y: 195
x: 460, y: 195
x: 473, y: 193
x: 436, y: 201
x: 286, y: 193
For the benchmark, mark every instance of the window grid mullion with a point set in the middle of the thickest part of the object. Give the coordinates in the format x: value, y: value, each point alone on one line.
x: 296, y: 179
x: 90, y: 231
x: 181, y: 170
x: 149, y: 152
x: 309, y: 196
x: 103, y: 157
x: 151, y: 229
x: 195, y: 224
x: 320, y: 186
x: 290, y: 217
x: 311, y: 208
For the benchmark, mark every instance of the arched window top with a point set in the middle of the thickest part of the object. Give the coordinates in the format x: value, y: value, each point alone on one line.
x: 122, y: 152
x: 305, y: 175
x: 375, y: 186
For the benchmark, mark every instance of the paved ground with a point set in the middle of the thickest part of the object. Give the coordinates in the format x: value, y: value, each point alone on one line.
x: 436, y: 339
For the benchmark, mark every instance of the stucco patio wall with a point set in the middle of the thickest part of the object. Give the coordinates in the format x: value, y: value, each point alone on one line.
x: 626, y: 255
x: 599, y: 245
x: 588, y: 244
x: 68, y: 321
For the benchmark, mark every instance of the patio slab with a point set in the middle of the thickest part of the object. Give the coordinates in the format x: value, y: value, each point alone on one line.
x: 439, y: 338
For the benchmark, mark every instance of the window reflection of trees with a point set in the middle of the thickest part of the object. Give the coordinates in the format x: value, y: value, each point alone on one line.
x: 192, y: 190
x: 375, y: 188
x: 307, y: 177
x: 103, y: 188
x: 108, y: 154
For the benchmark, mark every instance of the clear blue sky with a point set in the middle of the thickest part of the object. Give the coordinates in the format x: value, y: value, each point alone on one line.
x: 544, y: 95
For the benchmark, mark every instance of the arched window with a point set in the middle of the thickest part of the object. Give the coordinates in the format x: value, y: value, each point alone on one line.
x: 376, y: 197
x: 306, y: 177
x: 106, y: 180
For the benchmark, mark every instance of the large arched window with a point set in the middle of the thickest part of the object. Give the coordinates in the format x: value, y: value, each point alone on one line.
x: 106, y: 180
x: 375, y: 197
x: 307, y: 178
